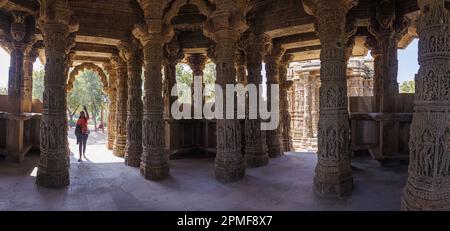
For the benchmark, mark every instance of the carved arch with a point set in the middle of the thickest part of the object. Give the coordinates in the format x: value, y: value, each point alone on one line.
x: 87, y: 66
x: 177, y: 4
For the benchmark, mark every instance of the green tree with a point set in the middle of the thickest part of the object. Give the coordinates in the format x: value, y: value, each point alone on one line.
x: 209, y: 77
x: 407, y: 87
x: 87, y: 90
x: 38, y: 84
x: 184, y: 76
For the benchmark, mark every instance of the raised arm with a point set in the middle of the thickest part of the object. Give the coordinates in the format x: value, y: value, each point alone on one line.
x: 86, y: 111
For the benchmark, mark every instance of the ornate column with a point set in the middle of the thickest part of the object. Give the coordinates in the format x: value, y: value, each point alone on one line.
x: 387, y: 28
x: 121, y: 110
x: 255, y: 152
x: 56, y: 27
x: 112, y: 106
x: 307, y: 112
x: 224, y: 27
x: 315, y: 107
x: 15, y: 81
x: 273, y: 137
x: 297, y: 115
x: 241, y: 69
x: 173, y: 55
x: 30, y: 57
x: 428, y: 184
x: 333, y: 172
x: 130, y: 52
x: 285, y: 117
x: 197, y: 64
x: 153, y: 35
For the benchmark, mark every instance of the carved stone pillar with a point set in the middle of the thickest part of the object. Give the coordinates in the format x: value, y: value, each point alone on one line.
x: 297, y: 115
x: 131, y: 53
x: 154, y: 161
x: 229, y: 162
x: 428, y: 184
x: 241, y: 69
x: 315, y: 107
x: 333, y: 171
x: 30, y: 57
x: 197, y: 64
x: 173, y: 56
x: 285, y: 117
x: 17, y: 45
x: 121, y: 110
x: 273, y: 137
x: 387, y: 28
x: 55, y: 25
x: 307, y: 112
x: 112, y: 106
x: 255, y: 151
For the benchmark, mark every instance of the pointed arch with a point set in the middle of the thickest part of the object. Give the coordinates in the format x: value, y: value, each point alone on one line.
x: 87, y: 66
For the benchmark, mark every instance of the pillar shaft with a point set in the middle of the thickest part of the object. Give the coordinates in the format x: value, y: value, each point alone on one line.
x: 53, y: 168
x: 255, y: 152
x: 333, y: 176
x: 307, y: 112
x: 112, y: 105
x: 121, y: 110
x: 170, y: 73
x: 30, y: 57
x: 285, y: 119
x: 133, y: 56
x: 273, y: 137
x: 229, y: 162
x: 16, y: 79
x: 155, y: 158
x: 428, y: 183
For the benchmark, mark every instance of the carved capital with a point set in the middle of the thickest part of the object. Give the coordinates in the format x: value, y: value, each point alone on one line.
x: 197, y: 63
x: 128, y: 49
x: 18, y: 27
x: 172, y: 51
x: 56, y: 12
x: 225, y: 24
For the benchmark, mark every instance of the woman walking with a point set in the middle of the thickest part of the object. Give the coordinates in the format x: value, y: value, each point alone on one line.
x: 83, y: 132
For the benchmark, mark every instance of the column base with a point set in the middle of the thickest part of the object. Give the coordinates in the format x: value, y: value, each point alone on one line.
x: 254, y: 160
x: 275, y: 151
x: 155, y: 173
x: 419, y: 196
x: 132, y: 162
x: 133, y: 157
x: 229, y: 167
x: 154, y: 165
x: 53, y: 179
x: 333, y: 182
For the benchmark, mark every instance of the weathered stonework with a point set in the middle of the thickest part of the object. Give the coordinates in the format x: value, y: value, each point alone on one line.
x: 428, y: 184
x: 112, y: 105
x: 333, y: 172
x: 229, y: 162
x: 132, y: 54
x: 121, y: 110
x: 56, y: 26
x: 153, y: 35
x: 255, y: 151
x: 285, y: 119
x: 273, y: 137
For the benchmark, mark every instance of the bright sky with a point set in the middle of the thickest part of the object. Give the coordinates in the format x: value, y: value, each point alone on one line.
x: 407, y: 64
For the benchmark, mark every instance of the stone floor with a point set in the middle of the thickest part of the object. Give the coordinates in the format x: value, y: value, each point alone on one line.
x: 104, y: 183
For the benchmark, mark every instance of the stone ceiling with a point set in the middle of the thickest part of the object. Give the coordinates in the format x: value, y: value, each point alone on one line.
x: 103, y: 23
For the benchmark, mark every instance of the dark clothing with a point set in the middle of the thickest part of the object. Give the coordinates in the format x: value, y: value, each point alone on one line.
x: 82, y: 142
